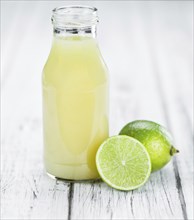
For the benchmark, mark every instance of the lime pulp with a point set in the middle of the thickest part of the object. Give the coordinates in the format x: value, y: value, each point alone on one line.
x: 123, y: 162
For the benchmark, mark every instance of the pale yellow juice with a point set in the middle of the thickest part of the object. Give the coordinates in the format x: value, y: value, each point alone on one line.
x: 75, y: 107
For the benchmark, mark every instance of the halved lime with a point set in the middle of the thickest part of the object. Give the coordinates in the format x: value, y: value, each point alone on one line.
x: 123, y: 162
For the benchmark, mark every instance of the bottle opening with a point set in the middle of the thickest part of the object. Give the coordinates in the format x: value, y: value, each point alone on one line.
x: 74, y: 16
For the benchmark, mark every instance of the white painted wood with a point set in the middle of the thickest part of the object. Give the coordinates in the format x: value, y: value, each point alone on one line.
x: 27, y: 192
x: 147, y: 47
x: 143, y: 101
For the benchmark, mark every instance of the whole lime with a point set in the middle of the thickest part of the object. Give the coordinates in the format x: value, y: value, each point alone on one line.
x: 156, y: 139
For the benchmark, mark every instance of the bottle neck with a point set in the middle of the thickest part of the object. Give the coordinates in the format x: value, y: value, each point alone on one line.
x: 75, y: 20
x: 89, y: 31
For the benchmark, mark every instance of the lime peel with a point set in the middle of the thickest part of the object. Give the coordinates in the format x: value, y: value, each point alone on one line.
x: 156, y: 139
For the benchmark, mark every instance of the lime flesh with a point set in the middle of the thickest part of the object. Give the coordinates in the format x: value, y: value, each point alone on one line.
x: 123, y: 162
x: 155, y: 138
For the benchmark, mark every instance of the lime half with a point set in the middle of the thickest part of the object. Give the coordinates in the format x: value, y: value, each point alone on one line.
x: 123, y: 162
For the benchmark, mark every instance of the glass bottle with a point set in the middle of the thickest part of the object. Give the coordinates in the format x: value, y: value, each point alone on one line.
x: 75, y: 95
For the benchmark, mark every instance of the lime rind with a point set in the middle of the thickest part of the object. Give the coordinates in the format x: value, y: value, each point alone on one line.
x: 156, y: 139
x: 114, y: 150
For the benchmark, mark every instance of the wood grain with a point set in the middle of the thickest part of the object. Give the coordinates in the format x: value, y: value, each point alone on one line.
x: 147, y: 47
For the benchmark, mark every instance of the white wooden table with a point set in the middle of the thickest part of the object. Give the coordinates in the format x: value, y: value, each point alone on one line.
x: 148, y: 48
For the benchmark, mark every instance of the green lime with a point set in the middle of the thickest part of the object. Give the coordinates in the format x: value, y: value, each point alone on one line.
x: 123, y: 162
x: 155, y: 138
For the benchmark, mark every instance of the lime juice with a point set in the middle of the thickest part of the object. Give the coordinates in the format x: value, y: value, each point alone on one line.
x: 75, y: 111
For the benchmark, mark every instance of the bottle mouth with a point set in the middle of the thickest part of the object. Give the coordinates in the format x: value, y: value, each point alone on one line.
x: 74, y: 16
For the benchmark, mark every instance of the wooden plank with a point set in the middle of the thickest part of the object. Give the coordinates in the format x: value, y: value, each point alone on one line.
x: 179, y: 122
x: 98, y: 201
x: 27, y: 192
x: 177, y: 98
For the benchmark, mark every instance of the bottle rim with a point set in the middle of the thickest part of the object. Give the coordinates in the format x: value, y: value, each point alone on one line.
x: 74, y: 16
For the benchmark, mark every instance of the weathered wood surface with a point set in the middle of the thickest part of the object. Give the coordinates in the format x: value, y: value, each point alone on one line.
x: 148, y: 49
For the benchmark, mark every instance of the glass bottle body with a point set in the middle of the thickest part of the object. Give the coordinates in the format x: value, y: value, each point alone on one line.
x: 75, y: 106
